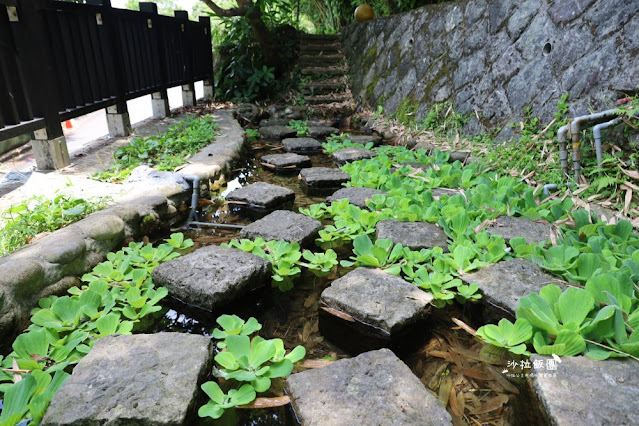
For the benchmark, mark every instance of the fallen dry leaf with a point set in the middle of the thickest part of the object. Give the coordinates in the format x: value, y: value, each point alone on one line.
x: 338, y: 314
x: 268, y: 402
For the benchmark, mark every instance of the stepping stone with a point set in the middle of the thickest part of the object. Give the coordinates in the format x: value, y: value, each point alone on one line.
x: 356, y: 196
x: 269, y: 122
x: 321, y: 132
x: 588, y: 392
x: 414, y: 235
x: 439, y: 192
x: 213, y: 276
x: 509, y: 227
x: 462, y: 156
x: 328, y: 122
x: 369, y: 309
x: 261, y: 196
x: 285, y: 162
x: 374, y: 388
x: 504, y: 283
x: 323, y: 180
x: 142, y: 379
x: 276, y: 133
x: 346, y: 155
x: 364, y: 139
x: 302, y: 145
x: 283, y: 225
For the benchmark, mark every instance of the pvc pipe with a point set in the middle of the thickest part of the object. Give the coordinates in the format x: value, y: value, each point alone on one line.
x: 596, y: 132
x: 549, y: 187
x: 563, y: 151
x: 195, y: 181
x: 579, y: 123
x: 217, y: 225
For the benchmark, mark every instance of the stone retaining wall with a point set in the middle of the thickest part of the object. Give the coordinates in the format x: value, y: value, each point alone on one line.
x: 492, y: 59
x: 51, y: 265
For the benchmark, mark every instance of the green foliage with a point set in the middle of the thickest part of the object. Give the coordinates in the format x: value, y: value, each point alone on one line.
x: 320, y: 264
x: 253, y: 135
x: 165, y: 152
x: 336, y: 142
x: 300, y: 126
x: 442, y: 119
x: 247, y: 365
x: 508, y: 335
x: 35, y: 215
x: 117, y: 294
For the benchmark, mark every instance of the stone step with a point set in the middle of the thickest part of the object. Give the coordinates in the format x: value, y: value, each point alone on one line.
x: 321, y: 59
x: 347, y: 155
x: 284, y: 225
x: 584, y: 391
x: 319, y: 88
x: 321, y: 132
x: 261, y: 196
x: 316, y: 100
x: 355, y: 195
x: 142, y: 379
x: 414, y: 235
x: 213, y: 276
x: 509, y: 227
x: 360, y: 295
x: 504, y: 283
x: 314, y: 38
x: 325, y: 49
x: 302, y: 145
x: 277, y: 133
x: 324, y: 71
x: 372, y: 389
x: 285, y: 163
x: 322, y: 180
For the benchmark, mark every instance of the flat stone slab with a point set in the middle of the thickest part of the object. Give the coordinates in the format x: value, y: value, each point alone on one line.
x: 324, y: 178
x: 261, y: 195
x: 276, y: 132
x: 378, y: 299
x: 302, y: 145
x: 588, y: 392
x: 374, y: 388
x: 439, y: 192
x: 509, y: 227
x: 212, y: 276
x: 462, y: 156
x: 364, y: 139
x: 414, y: 235
x: 356, y: 196
x: 504, y: 283
x: 322, y: 131
x: 269, y: 122
x: 283, y: 225
x: 285, y: 162
x: 346, y: 155
x: 142, y: 379
x: 323, y: 123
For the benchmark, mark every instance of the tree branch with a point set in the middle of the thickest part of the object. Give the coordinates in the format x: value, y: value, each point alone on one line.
x: 236, y: 11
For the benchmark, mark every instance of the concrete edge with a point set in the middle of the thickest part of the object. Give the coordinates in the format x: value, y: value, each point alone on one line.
x: 52, y: 264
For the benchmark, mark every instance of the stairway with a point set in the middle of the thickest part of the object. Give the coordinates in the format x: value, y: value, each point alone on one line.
x: 323, y: 70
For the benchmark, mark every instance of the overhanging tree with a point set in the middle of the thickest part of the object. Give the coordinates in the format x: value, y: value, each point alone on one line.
x: 264, y: 36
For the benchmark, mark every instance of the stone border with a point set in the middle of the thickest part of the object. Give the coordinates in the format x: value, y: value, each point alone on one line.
x: 51, y: 265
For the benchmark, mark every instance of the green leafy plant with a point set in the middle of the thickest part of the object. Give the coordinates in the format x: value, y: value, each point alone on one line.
x: 163, y: 152
x: 253, y: 135
x: 247, y: 365
x: 116, y: 295
x: 508, y: 335
x: 320, y: 264
x: 300, y: 126
x: 36, y: 215
x: 382, y: 254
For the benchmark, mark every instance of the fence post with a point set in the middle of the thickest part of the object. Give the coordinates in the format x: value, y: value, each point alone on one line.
x: 209, y: 83
x: 188, y: 90
x: 118, y: 121
x: 31, y: 38
x: 160, y: 99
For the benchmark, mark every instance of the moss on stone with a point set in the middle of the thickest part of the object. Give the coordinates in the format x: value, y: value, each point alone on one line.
x: 370, y: 53
x: 370, y: 88
x: 407, y: 110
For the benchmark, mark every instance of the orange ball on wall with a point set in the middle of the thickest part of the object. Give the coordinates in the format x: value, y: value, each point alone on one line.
x: 364, y: 13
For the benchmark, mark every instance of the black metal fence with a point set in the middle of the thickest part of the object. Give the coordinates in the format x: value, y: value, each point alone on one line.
x: 60, y: 60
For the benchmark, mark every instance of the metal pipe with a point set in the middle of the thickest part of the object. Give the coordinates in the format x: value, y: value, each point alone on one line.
x: 596, y: 132
x: 195, y: 182
x: 576, y: 126
x: 563, y: 151
x: 549, y: 187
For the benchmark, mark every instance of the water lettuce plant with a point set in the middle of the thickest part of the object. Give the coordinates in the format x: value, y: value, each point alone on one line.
x: 115, y: 296
x: 246, y: 364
